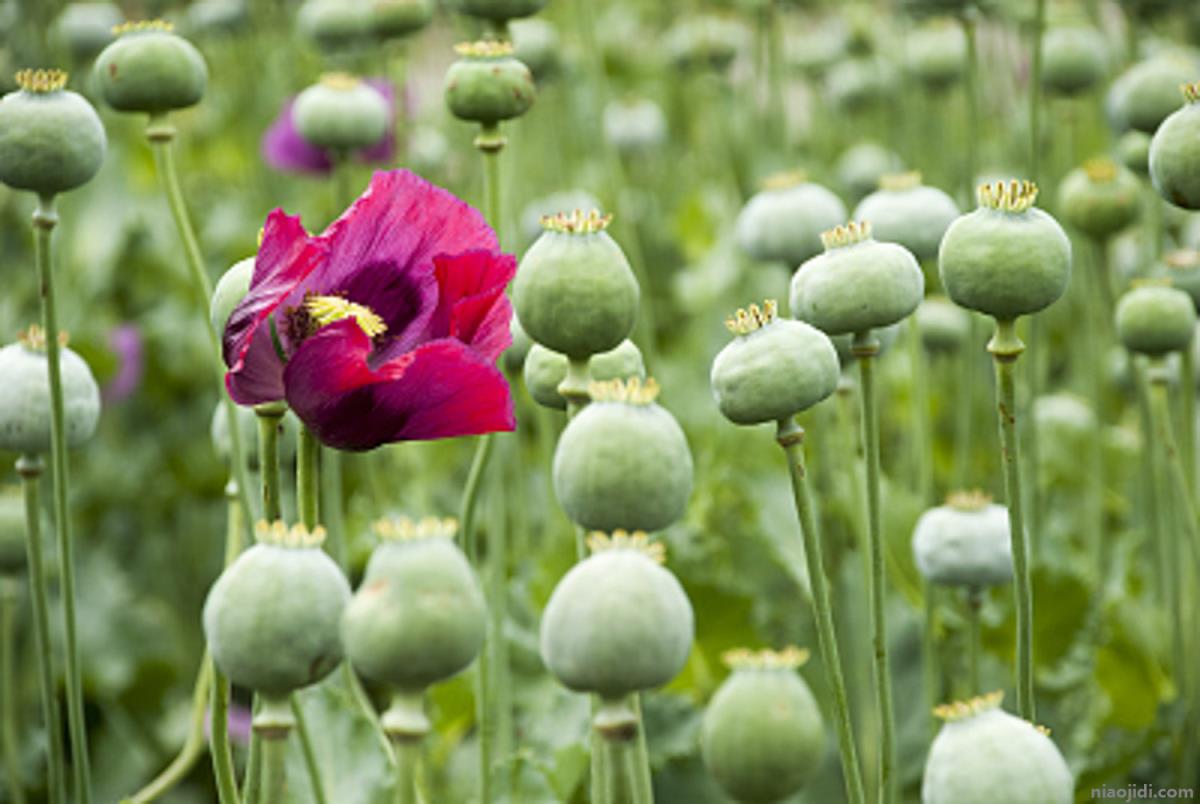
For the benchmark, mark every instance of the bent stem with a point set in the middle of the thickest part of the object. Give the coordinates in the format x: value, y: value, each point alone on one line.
x: 44, y: 219
x: 30, y: 467
x: 865, y: 348
x: 790, y: 437
x: 1005, y: 348
x: 9, y: 595
x: 193, y: 746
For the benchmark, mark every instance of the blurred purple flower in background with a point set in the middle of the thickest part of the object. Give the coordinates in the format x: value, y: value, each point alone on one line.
x: 240, y: 728
x: 285, y: 150
x: 126, y: 342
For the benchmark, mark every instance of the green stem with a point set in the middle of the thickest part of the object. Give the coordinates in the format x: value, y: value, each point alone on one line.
x: 1187, y: 435
x: 408, y: 761
x: 367, y: 709
x: 971, y: 89
x: 253, y: 783
x: 929, y: 646
x: 1035, y: 91
x: 923, y: 443
x: 30, y: 467
x: 791, y: 437
x: 193, y: 746
x: 407, y: 726
x: 974, y: 604
x: 44, y: 220
x: 9, y: 595
x: 306, y: 478
x: 222, y: 753
x: 332, y: 503
x: 1006, y: 347
x: 310, y: 755
x: 274, y: 769
x: 865, y: 349
x: 270, y: 416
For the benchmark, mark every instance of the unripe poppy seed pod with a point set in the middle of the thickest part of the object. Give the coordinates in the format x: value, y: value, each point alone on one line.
x: 86, y: 28
x: 858, y: 284
x: 1074, y: 59
x: 12, y: 531
x: 518, y: 351
x: 773, y: 368
x: 964, y: 542
x: 907, y: 212
x: 545, y: 370
x: 574, y: 291
x: 1154, y: 319
x: 1100, y: 199
x: 1133, y: 149
x: 51, y: 139
x: 150, y: 69
x: 783, y: 222
x: 25, y: 395
x: 341, y: 113
x: 487, y: 84
x: 335, y: 24
x: 537, y: 46
x: 860, y: 167
x: 1182, y: 268
x: 231, y: 288
x: 623, y: 462
x: 1175, y: 153
x: 944, y: 326
x: 983, y: 755
x: 763, y: 737
x: 936, y: 54
x: 1145, y: 94
x: 1007, y: 258
x: 501, y: 10
x: 394, y: 19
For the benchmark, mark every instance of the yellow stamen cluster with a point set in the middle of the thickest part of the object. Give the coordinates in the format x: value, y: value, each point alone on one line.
x: 1044, y: 730
x: 1100, y: 170
x: 789, y: 658
x: 599, y: 541
x: 633, y: 391
x: 784, y: 180
x: 1192, y: 92
x: 484, y: 49
x: 846, y: 235
x: 749, y: 319
x: 138, y: 26
x: 41, y: 81
x: 1150, y: 282
x: 35, y: 338
x: 1008, y: 196
x: 402, y: 528
x: 960, y: 710
x: 1184, y: 259
x: 343, y: 82
x: 576, y: 222
x: 281, y: 535
x: 900, y: 181
x: 326, y: 310
x: 973, y: 500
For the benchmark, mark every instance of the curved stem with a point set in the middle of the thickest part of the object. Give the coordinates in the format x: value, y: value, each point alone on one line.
x: 791, y: 437
x: 9, y: 595
x: 1006, y: 347
x: 222, y: 755
x: 29, y: 467
x: 310, y: 755
x: 193, y: 746
x: 306, y: 478
x: 44, y: 220
x: 974, y: 604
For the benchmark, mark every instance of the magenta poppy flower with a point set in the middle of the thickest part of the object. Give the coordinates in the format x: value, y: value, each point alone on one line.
x: 386, y: 327
x: 285, y: 150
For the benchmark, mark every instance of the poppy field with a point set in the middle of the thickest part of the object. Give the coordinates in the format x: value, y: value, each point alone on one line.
x: 527, y: 401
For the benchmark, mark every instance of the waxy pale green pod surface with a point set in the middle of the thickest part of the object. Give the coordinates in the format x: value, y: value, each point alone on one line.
x: 1074, y: 59
x: 488, y: 84
x: 1100, y: 199
x: 500, y: 10
x: 784, y: 224
x: 393, y: 19
x: 545, y: 370
x: 1155, y: 320
x: 1148, y: 92
x: 936, y: 54
x: 231, y: 288
x: 964, y: 543
x: 340, y: 114
x: 1175, y: 154
x: 51, y: 139
x: 25, y: 399
x: 906, y: 212
x: 944, y: 326
x: 150, y: 69
x: 335, y: 24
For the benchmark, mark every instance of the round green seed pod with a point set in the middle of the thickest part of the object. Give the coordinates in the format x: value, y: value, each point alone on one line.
x: 1182, y: 268
x: 545, y: 370
x: 855, y: 85
x: 844, y: 343
x: 699, y: 43
x: 1155, y: 319
x: 623, y: 461
x: 1007, y: 258
x: 965, y: 542
x: 272, y: 617
x: 487, y: 84
x: 634, y: 126
x: 419, y: 616
x: 1100, y: 199
x: 1074, y: 59
x: 858, y: 284
x: 907, y: 212
x: 212, y: 17
x: 218, y: 432
x: 536, y: 45
x: 150, y: 69
x: 983, y: 755
x: 618, y: 622
x: 341, y: 113
x: 574, y: 291
x: 784, y: 221
x: 335, y: 24
x: 517, y: 352
x: 396, y: 19
x: 12, y: 531
x: 501, y: 10
x: 1133, y: 149
x: 84, y: 29
x: 936, y: 55
x: 860, y: 168
x: 25, y: 396
x: 1175, y: 154
x: 944, y: 326
x: 231, y: 288
x: 763, y: 737
x: 774, y: 367
x: 1065, y: 418
x: 51, y: 139
x: 1145, y: 94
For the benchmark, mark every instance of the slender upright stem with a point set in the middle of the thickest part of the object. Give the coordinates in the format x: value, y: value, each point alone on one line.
x: 791, y: 437
x: 930, y: 659
x: 1035, y: 90
x: 1006, y: 347
x: 971, y: 90
x: 332, y: 503
x: 310, y: 754
x: 306, y: 478
x: 1187, y: 403
x: 269, y: 417
x: 274, y: 769
x: 865, y: 349
x: 252, y: 785
x: 193, y: 746
x: 408, y: 760
x: 44, y: 219
x: 484, y: 677
x: 921, y: 440
x: 219, y: 748
x: 30, y: 467
x: 974, y: 604
x: 9, y: 595
x: 406, y: 726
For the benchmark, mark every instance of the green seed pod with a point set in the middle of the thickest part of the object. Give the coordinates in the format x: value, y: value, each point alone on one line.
x: 574, y: 290
x: 1007, y: 258
x: 844, y: 343
x: 1133, y: 149
x: 1145, y: 94
x: 618, y: 622
x: 784, y: 221
x: 1175, y: 153
x: 536, y: 45
x: 51, y: 139
x: 1182, y: 268
x: 12, y: 531
x: 271, y: 619
x: 150, y: 69
x: 1064, y: 418
x: 218, y: 432
x: 550, y: 205
x: 419, y: 616
x: 774, y: 367
x: 634, y: 126
x: 907, y: 212
x: 936, y: 55
x: 341, y: 113
x: 858, y: 284
x: 1155, y: 319
x: 983, y: 755
x: 623, y: 461
x: 487, y: 84
x: 1074, y: 59
x: 545, y: 370
x: 216, y: 17
x: 233, y: 285
x: 25, y: 395
x: 964, y: 542
x: 860, y: 168
x: 944, y: 326
x: 335, y: 24
x: 500, y: 10
x: 856, y: 85
x: 84, y: 29
x: 763, y: 738
x: 396, y: 19
x: 1100, y: 199
x: 518, y: 351
x: 699, y: 43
